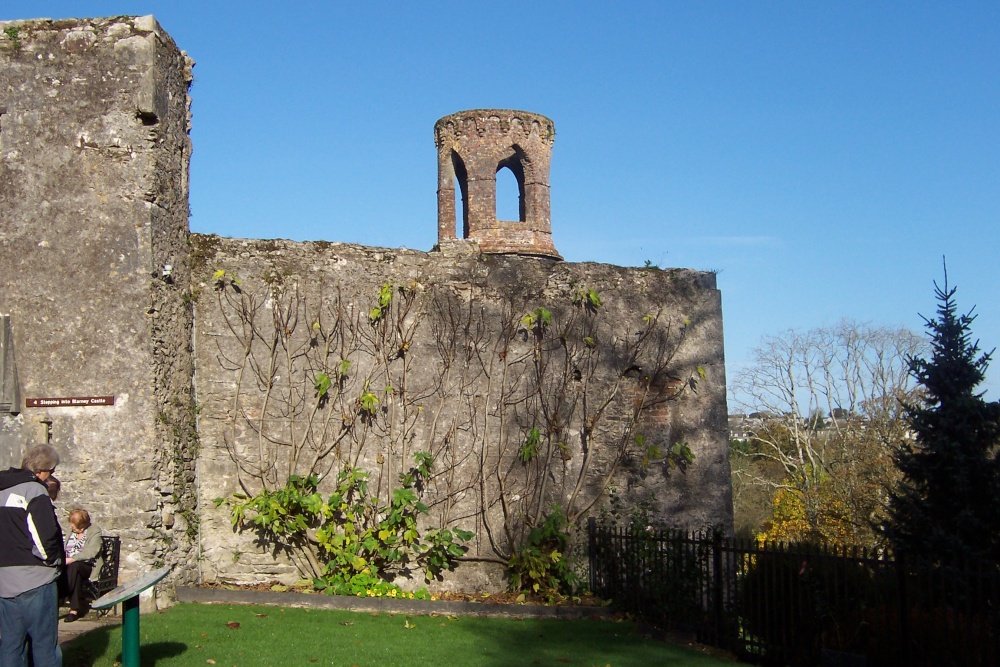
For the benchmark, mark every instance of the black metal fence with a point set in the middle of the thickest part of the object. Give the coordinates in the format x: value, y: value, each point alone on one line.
x: 780, y: 604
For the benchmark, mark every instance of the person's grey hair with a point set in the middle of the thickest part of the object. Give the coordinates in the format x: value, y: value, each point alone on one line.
x: 39, y: 458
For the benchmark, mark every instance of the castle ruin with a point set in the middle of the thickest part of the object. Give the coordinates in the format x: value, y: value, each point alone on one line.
x: 473, y: 146
x: 172, y: 369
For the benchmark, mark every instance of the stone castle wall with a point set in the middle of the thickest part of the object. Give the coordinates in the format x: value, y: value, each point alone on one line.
x: 94, y: 149
x: 458, y: 335
x: 107, y: 294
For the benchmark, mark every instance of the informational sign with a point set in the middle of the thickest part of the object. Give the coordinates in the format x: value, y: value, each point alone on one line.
x: 69, y: 402
x: 130, y: 589
x: 128, y: 596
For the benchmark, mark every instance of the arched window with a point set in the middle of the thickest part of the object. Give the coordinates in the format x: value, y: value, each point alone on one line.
x: 510, y: 188
x: 461, y: 197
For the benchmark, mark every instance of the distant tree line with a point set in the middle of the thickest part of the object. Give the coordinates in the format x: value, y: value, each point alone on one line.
x: 872, y: 436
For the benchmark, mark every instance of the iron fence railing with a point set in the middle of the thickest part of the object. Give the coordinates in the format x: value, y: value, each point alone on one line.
x: 782, y: 604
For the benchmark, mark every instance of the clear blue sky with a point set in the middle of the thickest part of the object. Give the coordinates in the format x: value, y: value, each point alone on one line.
x: 821, y: 156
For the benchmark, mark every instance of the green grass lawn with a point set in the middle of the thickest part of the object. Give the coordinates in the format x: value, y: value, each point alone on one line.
x: 257, y: 636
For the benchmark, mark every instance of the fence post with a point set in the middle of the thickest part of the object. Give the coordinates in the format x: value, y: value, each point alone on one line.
x: 904, y: 611
x: 717, y: 580
x: 592, y: 551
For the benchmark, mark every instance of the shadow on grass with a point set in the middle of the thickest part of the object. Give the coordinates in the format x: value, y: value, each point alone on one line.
x: 86, y: 649
x: 193, y: 635
x: 561, y: 642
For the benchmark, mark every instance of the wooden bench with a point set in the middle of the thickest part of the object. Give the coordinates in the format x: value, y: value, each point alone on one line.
x: 107, y: 579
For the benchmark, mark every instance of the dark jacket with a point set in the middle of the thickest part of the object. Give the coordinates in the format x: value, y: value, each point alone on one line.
x: 31, y: 543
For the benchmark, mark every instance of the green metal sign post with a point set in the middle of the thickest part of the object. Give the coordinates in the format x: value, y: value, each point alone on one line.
x: 128, y: 596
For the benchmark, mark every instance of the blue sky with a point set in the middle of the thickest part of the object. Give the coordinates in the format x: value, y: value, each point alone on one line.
x: 821, y: 156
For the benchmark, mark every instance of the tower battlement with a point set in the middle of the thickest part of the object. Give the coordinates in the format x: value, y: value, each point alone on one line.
x: 473, y: 146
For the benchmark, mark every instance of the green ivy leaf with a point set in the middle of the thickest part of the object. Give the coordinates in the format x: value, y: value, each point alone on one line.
x: 369, y: 401
x: 322, y: 384
x: 385, y: 295
x: 529, y: 449
x: 403, y: 496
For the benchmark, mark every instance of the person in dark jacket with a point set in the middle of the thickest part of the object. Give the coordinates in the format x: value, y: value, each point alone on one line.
x: 31, y: 556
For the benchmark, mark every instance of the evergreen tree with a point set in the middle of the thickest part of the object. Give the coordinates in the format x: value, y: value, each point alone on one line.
x: 948, y: 504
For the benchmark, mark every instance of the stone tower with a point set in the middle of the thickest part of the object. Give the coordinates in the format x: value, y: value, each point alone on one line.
x: 472, y: 147
x: 94, y: 274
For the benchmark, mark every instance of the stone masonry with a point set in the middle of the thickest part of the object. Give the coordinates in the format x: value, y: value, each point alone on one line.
x: 472, y: 147
x: 94, y: 153
x: 105, y: 293
x: 460, y: 306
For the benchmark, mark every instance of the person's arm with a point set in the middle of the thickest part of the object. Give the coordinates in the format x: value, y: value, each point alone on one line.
x: 45, y: 528
x: 92, y: 547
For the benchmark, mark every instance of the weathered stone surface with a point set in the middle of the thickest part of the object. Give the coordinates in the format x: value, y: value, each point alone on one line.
x: 10, y: 385
x: 94, y: 147
x: 495, y: 289
x: 472, y: 147
x: 108, y: 294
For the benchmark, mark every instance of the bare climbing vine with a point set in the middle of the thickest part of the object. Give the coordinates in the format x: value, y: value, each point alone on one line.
x: 517, y: 407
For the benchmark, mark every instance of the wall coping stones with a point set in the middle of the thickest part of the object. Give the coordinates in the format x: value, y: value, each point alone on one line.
x: 207, y: 595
